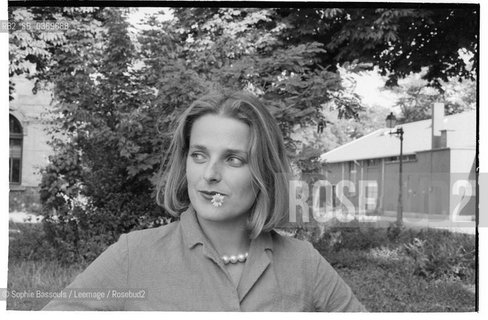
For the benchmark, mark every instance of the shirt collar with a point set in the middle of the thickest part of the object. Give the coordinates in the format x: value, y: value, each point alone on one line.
x: 193, y: 234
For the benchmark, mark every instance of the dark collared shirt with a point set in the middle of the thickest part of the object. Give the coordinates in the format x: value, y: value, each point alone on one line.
x: 175, y: 268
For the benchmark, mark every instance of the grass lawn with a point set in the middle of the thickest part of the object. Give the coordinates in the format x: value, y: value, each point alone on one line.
x: 30, y: 276
x: 427, y: 271
x: 383, y: 290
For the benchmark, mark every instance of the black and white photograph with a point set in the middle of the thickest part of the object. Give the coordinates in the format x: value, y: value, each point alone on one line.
x: 243, y: 156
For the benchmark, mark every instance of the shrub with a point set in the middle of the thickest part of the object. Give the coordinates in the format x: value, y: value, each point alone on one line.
x: 400, y: 291
x: 428, y: 253
x: 29, y: 243
x: 351, y: 237
x: 350, y: 259
x: 443, y: 255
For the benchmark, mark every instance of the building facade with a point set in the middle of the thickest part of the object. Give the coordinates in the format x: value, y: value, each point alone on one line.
x: 28, y: 145
x: 439, y: 173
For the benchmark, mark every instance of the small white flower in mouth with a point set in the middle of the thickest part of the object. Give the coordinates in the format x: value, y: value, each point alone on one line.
x: 217, y: 200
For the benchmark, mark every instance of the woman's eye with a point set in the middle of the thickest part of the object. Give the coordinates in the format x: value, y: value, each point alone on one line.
x: 236, y: 162
x: 198, y: 157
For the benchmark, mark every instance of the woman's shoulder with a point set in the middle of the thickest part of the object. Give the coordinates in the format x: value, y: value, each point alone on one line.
x: 290, y: 245
x: 153, y: 235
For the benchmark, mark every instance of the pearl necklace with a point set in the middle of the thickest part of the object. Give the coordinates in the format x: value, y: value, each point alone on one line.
x: 234, y: 259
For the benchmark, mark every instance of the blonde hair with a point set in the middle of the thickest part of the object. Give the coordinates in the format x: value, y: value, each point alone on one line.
x: 268, y: 162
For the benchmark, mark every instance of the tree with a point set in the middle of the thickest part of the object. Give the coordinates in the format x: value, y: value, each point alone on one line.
x: 336, y: 132
x: 397, y: 40
x: 97, y: 184
x: 27, y: 47
x: 237, y: 49
x: 32, y: 50
x: 416, y: 98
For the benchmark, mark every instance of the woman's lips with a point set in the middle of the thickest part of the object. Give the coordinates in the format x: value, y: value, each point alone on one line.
x: 212, y: 193
x: 209, y: 195
x: 206, y: 196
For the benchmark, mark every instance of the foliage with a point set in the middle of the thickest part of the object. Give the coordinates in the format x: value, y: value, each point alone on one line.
x: 32, y: 51
x: 437, y: 259
x: 416, y: 99
x: 395, y: 289
x: 337, y: 131
x: 397, y: 40
x: 351, y: 237
x: 420, y: 270
x: 427, y: 253
x: 97, y: 183
x: 29, y: 243
x: 27, y: 47
x: 242, y: 49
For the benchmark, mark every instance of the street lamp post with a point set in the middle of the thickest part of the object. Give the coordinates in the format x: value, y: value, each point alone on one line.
x: 390, y: 123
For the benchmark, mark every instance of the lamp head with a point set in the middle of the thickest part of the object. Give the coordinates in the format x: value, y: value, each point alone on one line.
x: 391, y: 120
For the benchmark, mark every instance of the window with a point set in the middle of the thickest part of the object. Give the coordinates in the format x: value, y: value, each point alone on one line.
x: 392, y: 159
x: 352, y: 171
x: 15, y: 156
x: 372, y: 162
x: 334, y: 200
x: 405, y: 158
x: 410, y: 157
x: 371, y: 196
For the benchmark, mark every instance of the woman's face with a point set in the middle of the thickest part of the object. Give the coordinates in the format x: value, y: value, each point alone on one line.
x: 217, y: 162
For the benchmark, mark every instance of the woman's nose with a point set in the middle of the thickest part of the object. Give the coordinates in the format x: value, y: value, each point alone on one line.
x: 212, y: 172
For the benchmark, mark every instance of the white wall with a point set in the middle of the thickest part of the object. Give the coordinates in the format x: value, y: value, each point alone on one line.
x: 31, y: 111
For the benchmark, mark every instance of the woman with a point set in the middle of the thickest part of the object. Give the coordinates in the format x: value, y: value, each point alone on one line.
x: 227, y: 180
